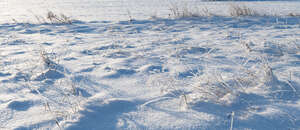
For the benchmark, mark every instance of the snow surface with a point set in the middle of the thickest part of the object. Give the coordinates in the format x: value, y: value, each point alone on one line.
x: 126, y: 64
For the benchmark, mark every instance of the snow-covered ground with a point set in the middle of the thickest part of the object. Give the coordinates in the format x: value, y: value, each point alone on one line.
x: 128, y: 64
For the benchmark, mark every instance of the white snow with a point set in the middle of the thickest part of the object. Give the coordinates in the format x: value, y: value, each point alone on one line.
x: 128, y: 64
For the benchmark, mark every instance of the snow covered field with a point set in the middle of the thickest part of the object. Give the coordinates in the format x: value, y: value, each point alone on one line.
x: 129, y: 64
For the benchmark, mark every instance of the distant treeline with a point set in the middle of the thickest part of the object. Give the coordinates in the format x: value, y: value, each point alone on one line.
x: 251, y: 0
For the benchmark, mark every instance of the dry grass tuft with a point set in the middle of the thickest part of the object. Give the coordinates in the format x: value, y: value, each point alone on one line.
x: 184, y: 10
x: 238, y: 10
x: 54, y: 18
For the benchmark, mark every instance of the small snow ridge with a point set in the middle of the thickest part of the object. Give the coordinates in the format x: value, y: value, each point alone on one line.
x: 49, y: 74
x: 104, y: 115
x: 193, y: 50
x: 4, y: 74
x: 190, y: 73
x: 297, y: 56
x: 151, y: 69
x: 20, y: 76
x: 89, y: 69
x: 88, y: 52
x: 272, y: 49
x: 109, y: 47
x: 16, y: 42
x: 20, y: 105
x: 121, y: 72
x: 70, y: 58
x: 119, y: 55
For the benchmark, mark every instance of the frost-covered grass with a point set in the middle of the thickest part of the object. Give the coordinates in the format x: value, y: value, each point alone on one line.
x: 188, y: 9
x: 126, y: 71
